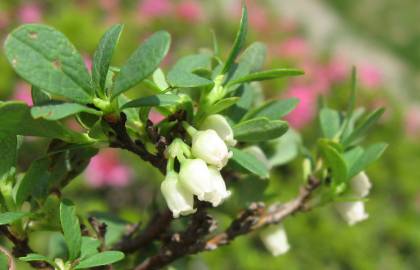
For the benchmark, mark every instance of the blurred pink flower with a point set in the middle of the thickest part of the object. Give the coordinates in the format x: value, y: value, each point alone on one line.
x: 190, y: 10
x: 294, y: 47
x: 22, y: 92
x: 337, y: 70
x: 258, y: 16
x: 154, y: 8
x: 105, y: 169
x: 305, y: 110
x: 88, y: 62
x: 4, y: 19
x: 412, y: 121
x: 369, y: 76
x: 29, y: 13
x: 155, y: 116
x: 109, y: 5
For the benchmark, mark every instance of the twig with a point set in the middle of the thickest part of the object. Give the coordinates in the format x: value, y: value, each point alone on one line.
x: 254, y: 217
x: 154, y: 229
x: 184, y: 243
x: 21, y: 248
x: 10, y: 258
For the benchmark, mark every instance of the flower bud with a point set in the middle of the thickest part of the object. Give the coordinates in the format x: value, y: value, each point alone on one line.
x: 352, y: 212
x: 219, y: 193
x: 360, y: 185
x: 208, y: 146
x: 179, y: 200
x: 275, y: 240
x: 195, y: 176
x: 219, y: 124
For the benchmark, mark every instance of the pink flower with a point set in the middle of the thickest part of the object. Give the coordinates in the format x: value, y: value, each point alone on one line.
x: 412, y: 121
x: 369, y: 76
x: 23, y: 93
x: 305, y: 110
x: 190, y: 10
x: 155, y: 117
x: 29, y: 13
x: 154, y: 8
x: 105, y: 169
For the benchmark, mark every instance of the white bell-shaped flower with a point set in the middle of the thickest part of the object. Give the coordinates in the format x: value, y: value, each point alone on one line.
x: 275, y: 240
x: 352, y: 212
x: 360, y: 185
x: 179, y: 200
x: 195, y: 176
x: 219, y: 124
x: 208, y: 146
x: 219, y: 193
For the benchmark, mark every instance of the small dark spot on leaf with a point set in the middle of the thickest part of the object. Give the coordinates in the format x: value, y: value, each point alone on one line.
x: 56, y: 63
x: 33, y: 35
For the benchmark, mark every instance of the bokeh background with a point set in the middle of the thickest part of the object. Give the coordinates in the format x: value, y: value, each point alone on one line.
x: 323, y: 37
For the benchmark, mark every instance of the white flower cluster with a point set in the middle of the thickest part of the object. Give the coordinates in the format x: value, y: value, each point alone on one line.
x: 199, y: 173
x: 354, y: 212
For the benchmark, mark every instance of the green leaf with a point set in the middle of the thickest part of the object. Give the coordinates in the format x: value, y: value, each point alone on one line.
x: 142, y: 62
x: 182, y: 73
x: 152, y: 101
x: 249, y: 162
x: 364, y: 126
x: 89, y: 247
x: 103, y: 55
x: 10, y: 217
x: 60, y: 111
x: 335, y: 162
x: 33, y: 257
x: 45, y: 57
x: 160, y: 80
x: 239, y: 41
x: 330, y: 122
x: 103, y: 258
x: 15, y: 118
x: 370, y: 155
x: 285, y: 148
x: 274, y: 109
x: 259, y: 129
x: 222, y: 105
x: 39, y: 97
x: 247, y: 97
x: 71, y: 228
x: 251, y: 60
x: 8, y: 154
x: 266, y: 75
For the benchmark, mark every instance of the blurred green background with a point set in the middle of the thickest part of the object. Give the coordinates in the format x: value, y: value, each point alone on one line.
x: 325, y: 38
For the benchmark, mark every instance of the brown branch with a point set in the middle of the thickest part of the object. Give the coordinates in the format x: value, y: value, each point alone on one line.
x: 124, y: 141
x: 10, y: 259
x: 21, y: 248
x: 154, y: 229
x: 256, y: 216
x: 184, y: 243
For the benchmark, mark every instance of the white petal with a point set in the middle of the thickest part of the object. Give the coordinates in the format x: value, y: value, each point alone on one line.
x: 179, y: 200
x: 208, y: 146
x: 361, y: 185
x: 195, y: 176
x: 219, y: 124
x: 352, y: 212
x: 219, y: 193
x: 275, y: 240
